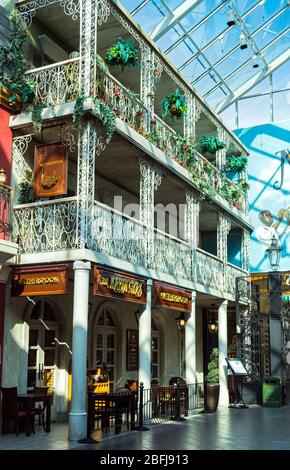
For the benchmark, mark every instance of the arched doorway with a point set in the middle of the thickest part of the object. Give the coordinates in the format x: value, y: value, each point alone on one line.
x: 42, y: 346
x: 105, y: 343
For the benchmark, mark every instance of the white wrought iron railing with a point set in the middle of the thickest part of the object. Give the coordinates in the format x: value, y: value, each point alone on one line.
x: 56, y: 83
x: 172, y: 255
x: 46, y: 225
x: 209, y: 270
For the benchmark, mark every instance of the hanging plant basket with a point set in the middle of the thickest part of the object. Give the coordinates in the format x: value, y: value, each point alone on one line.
x: 175, y: 104
x: 210, y: 144
x: 236, y: 164
x: 123, y: 53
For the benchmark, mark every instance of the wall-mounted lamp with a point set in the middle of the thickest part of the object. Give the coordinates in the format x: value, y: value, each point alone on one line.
x: 243, y: 41
x: 3, y: 176
x: 180, y: 321
x: 212, y: 321
x: 231, y: 18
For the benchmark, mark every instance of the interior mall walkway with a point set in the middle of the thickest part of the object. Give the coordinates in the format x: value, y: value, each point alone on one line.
x: 255, y: 428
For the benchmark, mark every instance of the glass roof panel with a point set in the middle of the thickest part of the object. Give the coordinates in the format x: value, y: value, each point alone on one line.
x: 281, y: 78
x: 213, y: 53
x: 154, y: 13
x: 216, y: 96
x: 181, y: 53
x: 199, y: 13
x: 262, y: 13
x: 262, y: 87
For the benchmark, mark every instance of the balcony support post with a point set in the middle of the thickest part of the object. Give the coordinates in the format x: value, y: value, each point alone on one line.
x: 223, y: 228
x: 88, y: 48
x: 150, y: 179
x: 223, y: 352
x: 190, y: 344
x: 191, y: 227
x: 245, y: 250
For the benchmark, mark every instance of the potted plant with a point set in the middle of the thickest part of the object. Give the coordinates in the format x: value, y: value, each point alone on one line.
x: 211, y: 143
x: 122, y: 53
x: 175, y: 104
x: 234, y: 166
x: 212, y: 382
x: 26, y: 193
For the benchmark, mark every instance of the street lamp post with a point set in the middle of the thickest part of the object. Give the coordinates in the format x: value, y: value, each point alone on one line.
x: 275, y: 310
x: 180, y: 323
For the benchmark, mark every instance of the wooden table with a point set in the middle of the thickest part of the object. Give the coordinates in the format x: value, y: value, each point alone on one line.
x: 28, y: 399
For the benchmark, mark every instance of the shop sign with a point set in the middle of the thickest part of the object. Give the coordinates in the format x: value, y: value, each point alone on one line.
x: 50, y: 170
x: 132, y: 362
x: 113, y: 284
x: 172, y: 297
x: 39, y: 280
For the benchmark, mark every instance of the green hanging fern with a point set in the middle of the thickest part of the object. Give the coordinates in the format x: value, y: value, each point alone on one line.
x: 211, y: 144
x: 122, y: 53
x: 237, y: 164
x: 175, y: 104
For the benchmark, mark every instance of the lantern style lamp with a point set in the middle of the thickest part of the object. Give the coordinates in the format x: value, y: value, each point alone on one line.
x: 274, y: 254
x: 180, y: 321
x: 212, y: 322
x: 3, y: 177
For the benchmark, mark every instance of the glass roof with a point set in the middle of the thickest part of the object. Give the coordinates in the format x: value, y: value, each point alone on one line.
x: 196, y: 37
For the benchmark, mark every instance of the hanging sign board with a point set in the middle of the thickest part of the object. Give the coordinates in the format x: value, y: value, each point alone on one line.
x: 172, y: 297
x: 236, y: 366
x: 113, y: 284
x: 50, y: 170
x: 39, y: 280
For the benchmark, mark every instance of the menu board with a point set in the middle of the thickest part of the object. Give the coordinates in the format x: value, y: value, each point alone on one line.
x: 132, y: 362
x: 236, y: 366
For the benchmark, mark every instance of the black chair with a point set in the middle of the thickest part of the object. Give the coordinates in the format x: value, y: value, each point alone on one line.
x: 40, y: 410
x: 10, y: 409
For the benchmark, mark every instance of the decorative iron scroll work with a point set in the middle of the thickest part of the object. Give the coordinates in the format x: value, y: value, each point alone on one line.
x: 88, y: 49
x: 209, y: 271
x: 150, y: 180
x: 19, y: 148
x: 68, y: 137
x: 247, y: 317
x: 191, y: 224
x: 223, y: 228
x: 245, y: 250
x: 28, y: 11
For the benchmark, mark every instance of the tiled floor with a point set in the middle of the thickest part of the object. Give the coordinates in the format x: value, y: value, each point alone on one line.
x: 255, y: 428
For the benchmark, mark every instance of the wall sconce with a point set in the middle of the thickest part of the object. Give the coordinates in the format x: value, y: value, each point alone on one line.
x: 180, y: 321
x: 231, y: 19
x: 3, y: 176
x: 212, y: 322
x: 243, y: 41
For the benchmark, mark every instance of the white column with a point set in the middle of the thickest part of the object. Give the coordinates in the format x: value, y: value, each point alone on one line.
x: 190, y: 344
x: 78, y: 414
x: 223, y: 351
x: 145, y: 346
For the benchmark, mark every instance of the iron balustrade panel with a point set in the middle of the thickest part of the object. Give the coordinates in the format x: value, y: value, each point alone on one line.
x: 5, y: 227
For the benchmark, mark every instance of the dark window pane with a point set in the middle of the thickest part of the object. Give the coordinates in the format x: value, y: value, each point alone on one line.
x: 101, y: 319
x: 155, y: 371
x: 109, y: 319
x: 49, y: 357
x: 35, y: 314
x: 31, y: 378
x: 32, y: 357
x: 33, y: 337
x: 99, y: 358
x: 155, y: 357
x: 110, y: 357
x: 49, y: 336
x: 155, y: 343
x: 99, y: 340
x: 111, y: 341
x: 48, y: 313
x: 110, y: 371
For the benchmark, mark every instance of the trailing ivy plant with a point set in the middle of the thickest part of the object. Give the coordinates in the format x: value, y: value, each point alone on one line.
x: 175, y: 104
x: 14, y: 65
x: 211, y: 144
x: 123, y: 53
x: 106, y: 115
x: 237, y: 164
x: 78, y: 111
x: 26, y: 194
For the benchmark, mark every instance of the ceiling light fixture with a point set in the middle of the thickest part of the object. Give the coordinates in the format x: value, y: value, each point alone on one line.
x: 243, y: 41
x: 231, y: 18
x: 256, y: 61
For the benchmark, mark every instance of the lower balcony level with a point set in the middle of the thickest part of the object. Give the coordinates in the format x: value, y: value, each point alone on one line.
x: 116, y: 239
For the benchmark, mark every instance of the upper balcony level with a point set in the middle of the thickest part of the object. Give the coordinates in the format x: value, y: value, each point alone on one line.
x: 135, y: 94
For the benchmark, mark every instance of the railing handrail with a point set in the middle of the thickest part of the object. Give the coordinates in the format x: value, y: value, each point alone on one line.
x: 236, y: 267
x: 203, y: 252
x: 41, y: 203
x: 167, y: 235
x: 207, y: 162
x: 158, y: 118
x: 125, y: 89
x: 52, y: 66
x: 121, y: 214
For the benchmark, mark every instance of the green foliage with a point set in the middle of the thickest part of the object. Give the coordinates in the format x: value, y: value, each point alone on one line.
x: 26, y: 188
x: 185, y: 149
x: 14, y: 65
x: 122, y: 53
x: 175, y: 104
x: 79, y: 111
x: 237, y: 164
x: 213, y: 367
x: 211, y: 144
x: 107, y: 115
